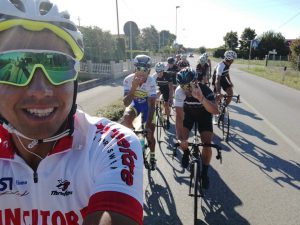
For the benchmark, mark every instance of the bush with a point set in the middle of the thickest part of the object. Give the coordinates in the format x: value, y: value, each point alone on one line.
x: 113, y: 112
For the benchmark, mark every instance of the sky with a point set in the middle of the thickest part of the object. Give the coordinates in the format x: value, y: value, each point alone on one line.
x: 199, y: 22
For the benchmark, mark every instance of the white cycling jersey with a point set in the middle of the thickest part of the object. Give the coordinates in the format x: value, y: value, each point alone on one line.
x: 99, y: 168
x: 147, y: 89
x: 222, y: 69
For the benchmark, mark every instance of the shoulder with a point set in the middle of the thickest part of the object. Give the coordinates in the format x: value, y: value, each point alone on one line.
x: 128, y: 78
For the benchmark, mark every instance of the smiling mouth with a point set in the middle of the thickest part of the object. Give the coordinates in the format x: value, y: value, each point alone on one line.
x: 40, y: 113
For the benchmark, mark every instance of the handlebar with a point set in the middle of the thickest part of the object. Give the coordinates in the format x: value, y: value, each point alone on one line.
x: 215, y: 146
x: 238, y: 100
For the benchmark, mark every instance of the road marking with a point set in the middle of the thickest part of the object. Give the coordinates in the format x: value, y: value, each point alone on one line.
x: 284, y: 137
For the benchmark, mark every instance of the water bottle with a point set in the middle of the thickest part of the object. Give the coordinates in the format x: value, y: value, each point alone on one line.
x: 142, y: 141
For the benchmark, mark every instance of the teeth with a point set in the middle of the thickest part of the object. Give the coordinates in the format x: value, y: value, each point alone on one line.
x: 41, y: 112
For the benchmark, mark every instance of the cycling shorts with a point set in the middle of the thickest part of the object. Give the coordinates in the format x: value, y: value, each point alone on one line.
x: 224, y: 82
x: 143, y: 109
x: 204, y: 122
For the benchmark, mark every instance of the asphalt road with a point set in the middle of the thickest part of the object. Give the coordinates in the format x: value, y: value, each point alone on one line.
x: 259, y: 180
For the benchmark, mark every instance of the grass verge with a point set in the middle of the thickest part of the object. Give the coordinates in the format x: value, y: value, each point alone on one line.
x: 290, y: 77
x: 112, y: 112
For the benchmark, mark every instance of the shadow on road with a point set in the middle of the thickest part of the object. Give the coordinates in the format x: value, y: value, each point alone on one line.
x: 269, y: 163
x: 159, y: 205
x: 219, y: 204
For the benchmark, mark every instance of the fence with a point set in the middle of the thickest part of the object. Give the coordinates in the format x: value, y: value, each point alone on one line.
x: 89, y: 70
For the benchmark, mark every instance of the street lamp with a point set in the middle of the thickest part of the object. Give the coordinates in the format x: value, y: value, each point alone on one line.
x: 176, y: 23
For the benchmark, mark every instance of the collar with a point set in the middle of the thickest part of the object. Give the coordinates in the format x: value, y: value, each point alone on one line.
x: 7, y: 148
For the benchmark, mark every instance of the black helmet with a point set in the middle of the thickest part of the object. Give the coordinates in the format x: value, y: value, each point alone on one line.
x: 186, y: 75
x: 170, y: 60
x: 142, y: 61
x: 183, y: 64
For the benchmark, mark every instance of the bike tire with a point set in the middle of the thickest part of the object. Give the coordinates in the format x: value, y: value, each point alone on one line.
x: 226, y: 126
x: 146, y: 152
x: 158, y: 124
x: 196, y: 190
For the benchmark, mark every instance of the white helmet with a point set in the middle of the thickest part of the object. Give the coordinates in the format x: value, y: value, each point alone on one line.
x: 205, y: 55
x: 36, y: 15
x: 230, y: 55
x: 202, y: 60
x: 159, y: 67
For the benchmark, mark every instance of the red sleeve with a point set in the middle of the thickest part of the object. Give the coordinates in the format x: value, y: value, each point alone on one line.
x: 116, y: 202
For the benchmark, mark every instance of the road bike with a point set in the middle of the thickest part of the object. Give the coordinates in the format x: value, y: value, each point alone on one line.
x: 224, y: 119
x: 161, y: 122
x: 195, y: 184
x: 142, y: 135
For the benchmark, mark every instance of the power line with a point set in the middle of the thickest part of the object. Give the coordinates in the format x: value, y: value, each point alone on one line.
x: 289, y: 20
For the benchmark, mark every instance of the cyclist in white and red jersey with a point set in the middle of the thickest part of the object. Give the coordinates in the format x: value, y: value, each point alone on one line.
x: 223, y: 77
x: 58, y: 165
x: 139, y: 98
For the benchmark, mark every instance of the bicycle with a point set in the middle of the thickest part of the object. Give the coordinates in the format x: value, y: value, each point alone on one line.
x: 160, y: 119
x: 142, y: 135
x: 195, y: 184
x: 224, y: 119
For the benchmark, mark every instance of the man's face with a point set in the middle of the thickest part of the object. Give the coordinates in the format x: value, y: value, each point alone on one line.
x: 39, y: 109
x: 142, y: 74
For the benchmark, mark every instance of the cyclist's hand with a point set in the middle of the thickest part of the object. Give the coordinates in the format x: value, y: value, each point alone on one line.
x: 218, y: 97
x: 183, y: 144
x: 136, y: 82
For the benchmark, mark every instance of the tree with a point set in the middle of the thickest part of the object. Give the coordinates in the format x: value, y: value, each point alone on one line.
x: 269, y: 41
x: 99, y: 46
x: 231, y: 40
x: 166, y: 39
x: 202, y: 49
x: 149, y: 39
x: 295, y: 49
x: 246, y: 37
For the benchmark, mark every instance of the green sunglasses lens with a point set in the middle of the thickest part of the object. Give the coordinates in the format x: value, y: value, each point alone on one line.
x: 143, y: 69
x: 17, y: 68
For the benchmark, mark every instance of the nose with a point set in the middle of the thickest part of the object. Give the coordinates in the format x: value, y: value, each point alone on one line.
x: 40, y: 86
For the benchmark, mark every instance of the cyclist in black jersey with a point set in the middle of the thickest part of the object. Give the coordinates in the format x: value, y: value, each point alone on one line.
x: 172, y: 68
x: 164, y: 82
x: 202, y: 69
x: 194, y: 103
x: 222, y: 76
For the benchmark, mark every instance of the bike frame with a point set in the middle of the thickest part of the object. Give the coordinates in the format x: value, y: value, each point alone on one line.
x: 195, y: 185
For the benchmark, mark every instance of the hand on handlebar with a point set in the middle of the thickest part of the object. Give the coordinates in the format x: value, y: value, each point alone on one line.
x: 183, y: 144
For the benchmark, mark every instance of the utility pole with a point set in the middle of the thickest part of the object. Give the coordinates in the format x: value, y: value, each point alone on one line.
x: 78, y: 21
x: 176, y: 22
x: 117, y: 18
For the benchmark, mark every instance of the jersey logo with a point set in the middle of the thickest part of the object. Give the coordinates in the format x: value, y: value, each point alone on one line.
x: 63, y: 186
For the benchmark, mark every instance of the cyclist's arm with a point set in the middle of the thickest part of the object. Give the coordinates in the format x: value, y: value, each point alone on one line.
x: 218, y: 85
x: 129, y: 96
x: 209, y: 64
x: 210, y: 106
x: 170, y: 90
x: 129, y: 90
x: 107, y: 218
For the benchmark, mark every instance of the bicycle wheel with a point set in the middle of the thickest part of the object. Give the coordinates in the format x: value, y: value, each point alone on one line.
x: 146, y: 152
x: 225, y: 125
x: 196, y: 189
x: 158, y: 123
